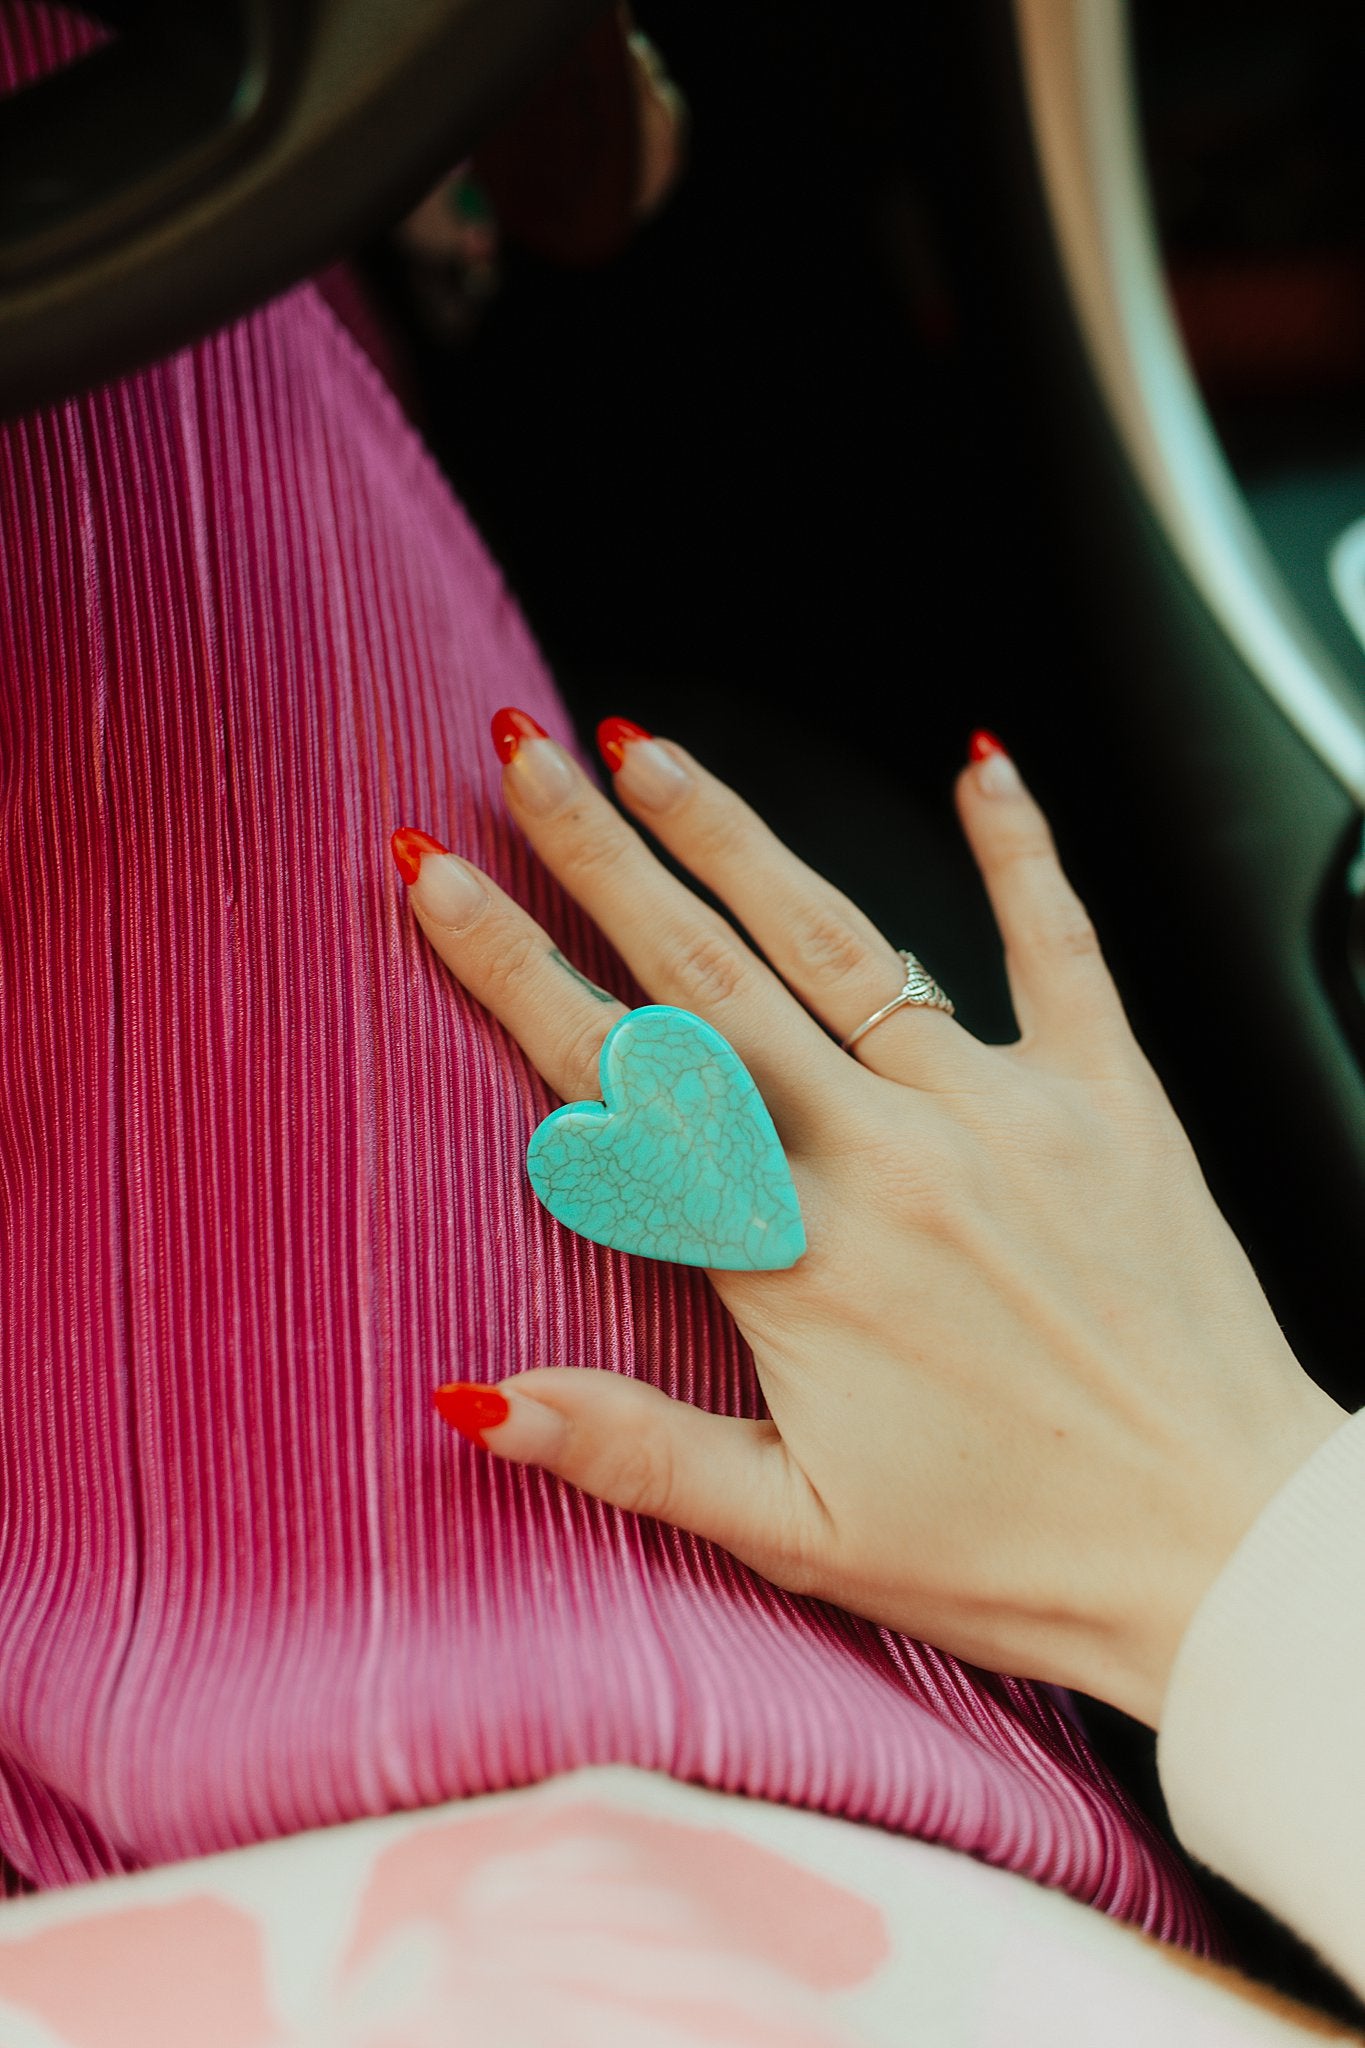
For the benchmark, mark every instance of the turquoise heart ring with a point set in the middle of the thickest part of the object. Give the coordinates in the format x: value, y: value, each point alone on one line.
x: 679, y: 1160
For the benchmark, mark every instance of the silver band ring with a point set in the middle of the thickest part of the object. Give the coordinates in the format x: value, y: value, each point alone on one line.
x: 920, y: 989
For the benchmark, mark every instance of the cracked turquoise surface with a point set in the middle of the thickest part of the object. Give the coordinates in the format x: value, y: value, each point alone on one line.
x: 679, y: 1161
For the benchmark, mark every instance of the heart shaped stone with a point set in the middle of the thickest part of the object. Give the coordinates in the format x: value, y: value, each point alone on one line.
x: 679, y: 1161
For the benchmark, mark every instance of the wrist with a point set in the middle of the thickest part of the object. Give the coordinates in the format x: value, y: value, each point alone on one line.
x: 1209, y: 1518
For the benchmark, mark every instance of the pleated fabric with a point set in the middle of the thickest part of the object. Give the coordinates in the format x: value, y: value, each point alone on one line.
x: 262, y: 1186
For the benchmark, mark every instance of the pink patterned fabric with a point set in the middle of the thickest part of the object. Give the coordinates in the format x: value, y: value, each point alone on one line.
x: 611, y: 1909
x: 261, y: 1186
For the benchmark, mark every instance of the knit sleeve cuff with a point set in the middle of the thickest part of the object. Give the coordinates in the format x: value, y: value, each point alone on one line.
x: 1262, y: 1745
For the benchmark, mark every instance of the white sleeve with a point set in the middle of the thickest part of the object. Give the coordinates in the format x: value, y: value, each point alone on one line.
x: 1262, y: 1745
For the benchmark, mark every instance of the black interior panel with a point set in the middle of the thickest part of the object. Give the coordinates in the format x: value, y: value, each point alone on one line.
x: 752, y: 491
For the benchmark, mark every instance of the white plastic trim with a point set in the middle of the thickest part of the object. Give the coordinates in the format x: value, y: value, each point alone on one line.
x: 1082, y: 105
x: 1346, y: 573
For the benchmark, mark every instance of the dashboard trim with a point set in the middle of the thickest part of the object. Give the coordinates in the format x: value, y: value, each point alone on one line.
x: 1081, y: 102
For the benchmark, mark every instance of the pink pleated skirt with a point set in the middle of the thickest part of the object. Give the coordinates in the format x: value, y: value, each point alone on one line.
x: 262, y: 1186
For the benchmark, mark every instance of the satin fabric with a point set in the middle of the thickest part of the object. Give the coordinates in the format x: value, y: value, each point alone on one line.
x: 262, y: 1186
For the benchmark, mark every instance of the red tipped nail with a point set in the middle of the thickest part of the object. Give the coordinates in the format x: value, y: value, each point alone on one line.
x: 982, y: 745
x: 408, y: 845
x: 510, y: 728
x: 613, y: 736
x: 471, y: 1409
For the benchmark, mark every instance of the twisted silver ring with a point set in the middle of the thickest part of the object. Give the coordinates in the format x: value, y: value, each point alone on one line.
x: 920, y: 989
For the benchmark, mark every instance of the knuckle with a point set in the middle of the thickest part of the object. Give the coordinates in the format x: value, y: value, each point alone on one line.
x: 1074, y: 935
x: 637, y: 1474
x: 1052, y: 917
x: 937, y: 1205
x: 506, y: 963
x: 935, y: 1190
x: 802, y: 1538
x: 581, y: 1052
x: 1065, y: 930
x: 707, y: 968
x: 721, y: 835
x: 1057, y: 1135
x: 826, y: 948
x: 789, y: 1561
x: 1028, y: 853
x: 926, y: 1185
x: 1065, y: 934
x: 589, y: 852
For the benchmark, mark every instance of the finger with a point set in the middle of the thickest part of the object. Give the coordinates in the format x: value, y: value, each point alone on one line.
x: 499, y: 953
x: 628, y: 1444
x: 1062, y: 990
x: 825, y: 949
x: 678, y: 948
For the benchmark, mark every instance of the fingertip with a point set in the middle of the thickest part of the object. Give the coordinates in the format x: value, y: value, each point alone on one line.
x: 502, y: 1420
x: 991, y: 770
x: 614, y: 735
x: 470, y: 1409
x: 408, y: 846
x: 509, y: 727
x: 645, y: 771
x: 983, y: 744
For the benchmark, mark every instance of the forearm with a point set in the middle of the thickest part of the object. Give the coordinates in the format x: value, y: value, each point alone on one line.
x: 1260, y: 1750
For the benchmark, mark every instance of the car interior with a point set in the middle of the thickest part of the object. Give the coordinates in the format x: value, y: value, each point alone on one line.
x: 999, y: 364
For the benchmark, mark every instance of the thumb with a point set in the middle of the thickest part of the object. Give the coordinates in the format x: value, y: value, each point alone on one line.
x: 630, y: 1445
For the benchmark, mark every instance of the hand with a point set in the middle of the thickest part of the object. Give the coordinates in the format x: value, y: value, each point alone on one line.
x: 1026, y: 1395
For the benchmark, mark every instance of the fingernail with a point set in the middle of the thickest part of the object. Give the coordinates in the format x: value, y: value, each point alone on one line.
x: 996, y: 774
x: 542, y: 775
x: 471, y: 1409
x: 510, y: 728
x: 407, y: 846
x: 526, y: 1431
x: 643, y: 771
x: 450, y: 893
x: 613, y: 735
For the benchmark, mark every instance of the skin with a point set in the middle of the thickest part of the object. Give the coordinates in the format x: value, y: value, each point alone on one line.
x: 1026, y: 1394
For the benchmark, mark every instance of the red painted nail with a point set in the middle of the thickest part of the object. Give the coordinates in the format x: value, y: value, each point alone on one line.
x: 510, y: 728
x: 613, y: 735
x: 471, y: 1409
x: 408, y: 845
x: 983, y: 744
